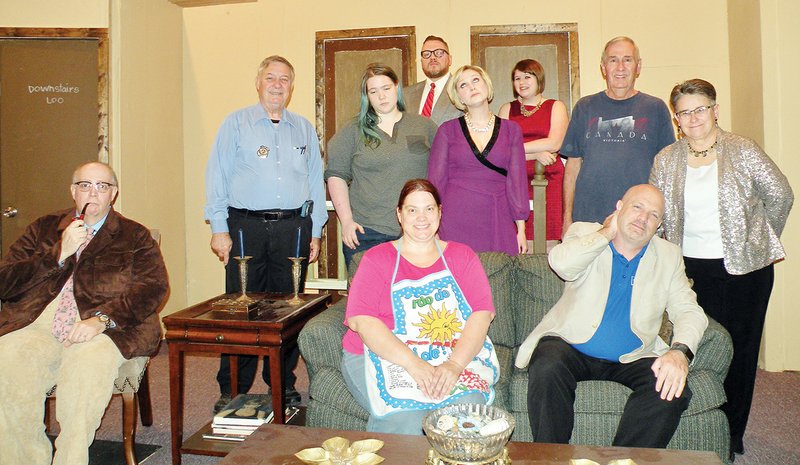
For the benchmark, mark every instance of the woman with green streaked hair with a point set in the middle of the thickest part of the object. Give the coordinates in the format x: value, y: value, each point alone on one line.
x: 370, y: 159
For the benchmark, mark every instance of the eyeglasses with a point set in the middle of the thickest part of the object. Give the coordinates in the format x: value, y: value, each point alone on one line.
x: 86, y: 186
x: 699, y: 112
x: 438, y: 53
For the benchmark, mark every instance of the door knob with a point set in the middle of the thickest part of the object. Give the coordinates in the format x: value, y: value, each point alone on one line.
x: 10, y: 212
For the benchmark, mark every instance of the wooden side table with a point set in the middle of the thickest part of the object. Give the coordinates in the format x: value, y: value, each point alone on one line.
x: 201, y: 328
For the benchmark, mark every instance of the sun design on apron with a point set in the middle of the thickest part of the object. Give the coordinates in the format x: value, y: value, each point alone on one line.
x: 439, y: 326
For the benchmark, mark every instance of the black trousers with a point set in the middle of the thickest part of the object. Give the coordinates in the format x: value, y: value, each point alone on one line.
x: 269, y: 243
x: 739, y: 304
x: 553, y: 375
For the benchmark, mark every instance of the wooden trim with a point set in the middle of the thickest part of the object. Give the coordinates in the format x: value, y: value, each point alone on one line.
x: 103, y: 93
x: 194, y: 3
x: 480, y: 33
x: 402, y: 38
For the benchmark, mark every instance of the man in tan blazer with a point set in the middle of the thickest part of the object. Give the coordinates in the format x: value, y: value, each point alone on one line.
x: 436, y: 60
x: 619, y: 281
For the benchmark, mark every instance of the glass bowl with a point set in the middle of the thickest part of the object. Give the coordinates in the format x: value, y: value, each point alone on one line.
x: 467, y: 446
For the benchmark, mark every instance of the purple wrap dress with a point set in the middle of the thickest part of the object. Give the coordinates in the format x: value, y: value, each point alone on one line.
x: 480, y: 204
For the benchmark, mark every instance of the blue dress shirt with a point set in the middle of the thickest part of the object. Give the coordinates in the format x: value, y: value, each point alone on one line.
x: 258, y: 165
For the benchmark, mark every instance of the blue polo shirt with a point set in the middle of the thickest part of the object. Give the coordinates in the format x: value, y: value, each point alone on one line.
x: 614, y: 336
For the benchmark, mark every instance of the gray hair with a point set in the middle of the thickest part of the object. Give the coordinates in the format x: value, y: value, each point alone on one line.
x: 613, y: 41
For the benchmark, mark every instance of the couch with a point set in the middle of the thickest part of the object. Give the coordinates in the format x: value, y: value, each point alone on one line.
x: 524, y: 288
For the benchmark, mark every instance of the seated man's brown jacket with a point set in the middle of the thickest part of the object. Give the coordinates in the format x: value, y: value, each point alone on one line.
x: 120, y: 273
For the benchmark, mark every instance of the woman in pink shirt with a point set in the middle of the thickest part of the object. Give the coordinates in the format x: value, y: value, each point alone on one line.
x: 418, y: 313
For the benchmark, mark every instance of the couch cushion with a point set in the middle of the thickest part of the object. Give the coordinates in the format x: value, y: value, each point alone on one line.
x: 499, y: 269
x: 536, y: 289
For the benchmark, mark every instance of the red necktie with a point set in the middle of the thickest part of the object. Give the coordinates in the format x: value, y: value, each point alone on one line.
x: 67, y: 310
x: 426, y: 109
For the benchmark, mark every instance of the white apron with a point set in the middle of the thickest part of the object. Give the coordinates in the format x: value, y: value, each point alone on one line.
x: 429, y: 316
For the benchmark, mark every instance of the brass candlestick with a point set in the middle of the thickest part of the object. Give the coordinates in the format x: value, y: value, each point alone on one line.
x: 243, y: 279
x: 296, y: 263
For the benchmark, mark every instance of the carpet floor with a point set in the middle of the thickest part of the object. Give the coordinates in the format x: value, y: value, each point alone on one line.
x: 103, y: 452
x: 771, y: 437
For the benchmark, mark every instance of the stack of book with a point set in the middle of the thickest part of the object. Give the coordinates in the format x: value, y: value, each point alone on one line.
x: 243, y: 415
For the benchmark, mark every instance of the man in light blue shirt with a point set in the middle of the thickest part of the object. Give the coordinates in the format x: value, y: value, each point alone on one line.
x: 264, y: 185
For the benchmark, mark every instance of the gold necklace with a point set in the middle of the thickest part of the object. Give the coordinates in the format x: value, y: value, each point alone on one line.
x: 525, y: 112
x: 701, y: 153
x: 488, y: 126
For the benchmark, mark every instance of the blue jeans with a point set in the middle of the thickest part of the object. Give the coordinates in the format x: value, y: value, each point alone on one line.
x: 366, y: 241
x: 405, y: 422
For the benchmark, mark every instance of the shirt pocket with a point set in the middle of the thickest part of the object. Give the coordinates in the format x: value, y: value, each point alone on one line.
x: 418, y: 145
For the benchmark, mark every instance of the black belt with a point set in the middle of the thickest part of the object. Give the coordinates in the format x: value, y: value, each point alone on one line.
x: 267, y: 215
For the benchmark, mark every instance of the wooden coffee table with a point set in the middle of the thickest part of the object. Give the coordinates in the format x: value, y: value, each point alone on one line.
x: 276, y: 445
x: 200, y: 328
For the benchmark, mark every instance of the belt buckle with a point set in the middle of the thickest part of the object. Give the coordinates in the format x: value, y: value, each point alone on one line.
x: 272, y: 216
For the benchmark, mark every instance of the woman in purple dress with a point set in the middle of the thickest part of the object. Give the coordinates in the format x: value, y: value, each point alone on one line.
x: 477, y: 163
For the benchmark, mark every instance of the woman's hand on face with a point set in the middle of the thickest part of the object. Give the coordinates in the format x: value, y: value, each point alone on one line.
x: 444, y: 378
x: 423, y: 373
x: 349, y: 236
x: 546, y: 158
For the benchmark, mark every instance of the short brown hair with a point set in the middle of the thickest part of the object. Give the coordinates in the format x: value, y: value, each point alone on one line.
x: 418, y: 185
x: 431, y: 37
x: 692, y: 87
x: 531, y: 67
x: 451, y: 84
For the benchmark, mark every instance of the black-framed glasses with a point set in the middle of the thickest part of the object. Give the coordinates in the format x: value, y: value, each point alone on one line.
x: 438, y: 53
x: 699, y: 112
x: 86, y: 186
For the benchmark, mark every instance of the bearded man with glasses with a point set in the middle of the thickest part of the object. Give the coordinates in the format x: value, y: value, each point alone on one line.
x: 428, y: 97
x: 81, y: 290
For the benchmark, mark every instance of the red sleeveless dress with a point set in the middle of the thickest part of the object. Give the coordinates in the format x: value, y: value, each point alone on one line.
x: 537, y: 126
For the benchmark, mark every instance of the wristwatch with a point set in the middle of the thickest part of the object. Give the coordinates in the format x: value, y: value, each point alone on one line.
x: 685, y: 349
x: 105, y: 320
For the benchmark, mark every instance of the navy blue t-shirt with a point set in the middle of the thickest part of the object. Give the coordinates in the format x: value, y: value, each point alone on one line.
x: 617, y: 140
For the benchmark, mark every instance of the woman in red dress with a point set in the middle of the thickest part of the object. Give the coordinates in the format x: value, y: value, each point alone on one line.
x: 544, y: 123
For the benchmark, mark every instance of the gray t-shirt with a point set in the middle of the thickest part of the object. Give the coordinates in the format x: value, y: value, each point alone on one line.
x: 376, y: 175
x: 617, y: 140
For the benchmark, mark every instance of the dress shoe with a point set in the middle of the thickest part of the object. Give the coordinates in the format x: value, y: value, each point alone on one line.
x: 220, y: 404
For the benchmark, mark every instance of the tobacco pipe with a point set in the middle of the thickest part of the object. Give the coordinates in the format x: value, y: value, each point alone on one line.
x: 83, y: 212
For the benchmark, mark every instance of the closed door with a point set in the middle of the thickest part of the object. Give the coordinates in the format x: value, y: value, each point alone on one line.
x: 48, y: 125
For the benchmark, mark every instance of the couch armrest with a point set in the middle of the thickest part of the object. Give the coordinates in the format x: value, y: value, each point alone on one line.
x: 715, y: 351
x: 320, y: 340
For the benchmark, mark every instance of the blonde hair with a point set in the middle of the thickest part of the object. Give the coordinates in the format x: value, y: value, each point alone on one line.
x: 451, y: 85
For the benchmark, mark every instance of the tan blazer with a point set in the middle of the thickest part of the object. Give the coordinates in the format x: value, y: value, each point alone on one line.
x: 442, y: 111
x: 584, y: 261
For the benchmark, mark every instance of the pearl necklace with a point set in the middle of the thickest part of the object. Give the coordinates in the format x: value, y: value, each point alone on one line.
x: 525, y: 112
x: 487, y: 128
x: 701, y: 153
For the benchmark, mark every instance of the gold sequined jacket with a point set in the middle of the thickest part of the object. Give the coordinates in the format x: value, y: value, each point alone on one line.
x: 754, y: 200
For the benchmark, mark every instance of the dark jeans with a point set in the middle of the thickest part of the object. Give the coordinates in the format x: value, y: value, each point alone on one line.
x: 739, y: 304
x: 269, y: 243
x: 366, y: 241
x: 553, y: 375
